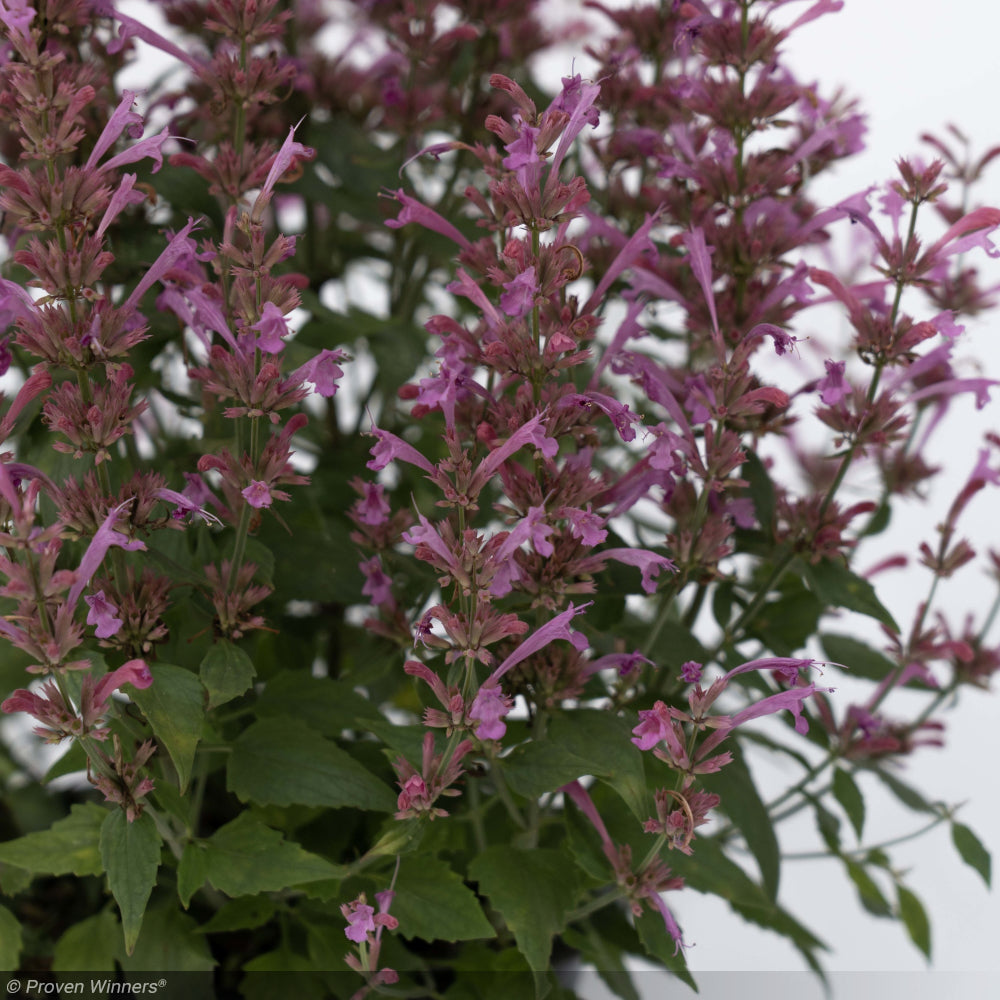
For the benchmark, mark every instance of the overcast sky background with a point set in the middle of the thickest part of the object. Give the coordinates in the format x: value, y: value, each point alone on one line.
x: 915, y: 66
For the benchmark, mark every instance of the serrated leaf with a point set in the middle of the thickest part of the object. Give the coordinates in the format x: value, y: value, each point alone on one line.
x: 89, y: 946
x: 859, y: 659
x: 169, y: 940
x: 971, y: 850
x: 533, y: 890
x: 914, y: 917
x: 847, y: 793
x: 10, y: 941
x: 868, y: 891
x: 71, y: 846
x: 432, y: 902
x: 226, y: 672
x: 837, y: 587
x: 174, y: 704
x: 279, y: 761
x: 245, y: 857
x: 130, y: 853
x: 326, y: 705
x: 743, y: 805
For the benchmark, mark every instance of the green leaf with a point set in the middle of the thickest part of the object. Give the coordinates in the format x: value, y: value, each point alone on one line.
x: 659, y: 943
x: 743, y: 805
x: 914, y: 917
x: 174, y: 704
x: 602, y: 743
x: 859, y: 659
x: 280, y: 761
x: 71, y: 846
x: 10, y: 941
x: 761, y: 491
x: 533, y: 890
x: 226, y: 673
x: 325, y: 705
x: 170, y: 940
x: 828, y: 825
x: 192, y: 872
x: 245, y: 857
x: 541, y: 766
x: 785, y: 625
x: 971, y: 850
x: 906, y: 794
x: 89, y: 946
x: 847, y: 793
x: 837, y: 587
x: 868, y: 891
x: 130, y: 853
x: 243, y: 914
x: 432, y: 902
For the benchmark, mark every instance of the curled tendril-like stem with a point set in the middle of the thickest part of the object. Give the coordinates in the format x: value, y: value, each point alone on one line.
x: 568, y: 273
x: 686, y: 806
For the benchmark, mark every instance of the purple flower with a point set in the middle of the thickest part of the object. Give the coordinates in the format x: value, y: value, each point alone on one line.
x: 271, y: 328
x: 586, y: 526
x: 360, y: 921
x: 389, y: 448
x: 257, y: 494
x: 416, y: 211
x: 378, y: 584
x: 16, y: 15
x: 102, y: 615
x: 323, y: 371
x: 834, y: 387
x: 372, y: 508
x: 104, y: 539
x: 489, y: 708
x: 519, y: 294
x: 648, y: 563
x: 286, y: 156
x: 691, y: 672
x: 783, y: 340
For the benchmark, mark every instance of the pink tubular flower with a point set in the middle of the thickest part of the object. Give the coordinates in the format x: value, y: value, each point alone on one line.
x: 104, y: 539
x: 489, y: 708
x: 258, y: 494
x: 834, y: 387
x: 415, y: 211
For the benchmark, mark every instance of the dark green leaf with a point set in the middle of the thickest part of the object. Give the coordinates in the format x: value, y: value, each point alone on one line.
x: 433, y: 903
x: 541, y: 766
x: 914, y: 917
x: 847, y: 793
x: 243, y: 914
x: 868, y: 891
x: 785, y: 625
x: 971, y: 850
x: 71, y: 846
x: 659, y: 943
x: 89, y: 946
x: 859, y: 659
x: 130, y: 853
x: 828, y: 825
x: 325, y: 705
x: 743, y: 805
x: 909, y: 796
x: 280, y: 761
x: 226, y: 673
x: 10, y: 941
x: 837, y: 587
x: 761, y: 491
x: 174, y: 704
x: 245, y: 857
x: 533, y: 890
x: 169, y: 940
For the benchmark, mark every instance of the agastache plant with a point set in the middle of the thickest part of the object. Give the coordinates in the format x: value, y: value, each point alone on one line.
x: 422, y: 487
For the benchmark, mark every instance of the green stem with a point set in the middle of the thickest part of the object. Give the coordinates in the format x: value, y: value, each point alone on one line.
x: 861, y: 853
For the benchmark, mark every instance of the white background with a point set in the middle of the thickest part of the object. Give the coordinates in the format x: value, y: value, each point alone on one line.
x: 915, y: 65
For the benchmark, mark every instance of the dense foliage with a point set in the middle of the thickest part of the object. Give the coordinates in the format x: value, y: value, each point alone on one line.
x: 422, y: 491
